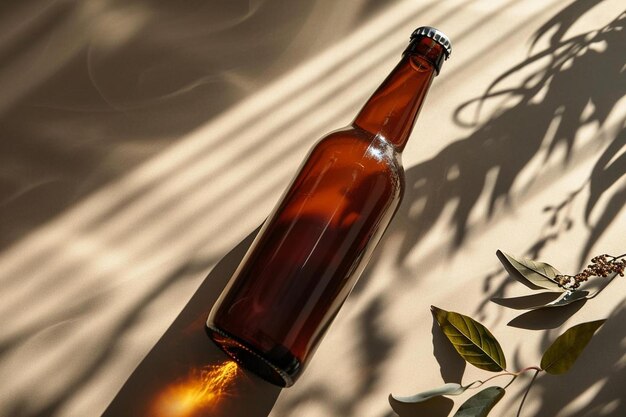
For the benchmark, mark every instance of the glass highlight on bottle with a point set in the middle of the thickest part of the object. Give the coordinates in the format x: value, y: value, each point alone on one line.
x: 312, y: 248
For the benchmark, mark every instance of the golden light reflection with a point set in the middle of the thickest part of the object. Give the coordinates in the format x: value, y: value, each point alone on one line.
x: 200, y: 391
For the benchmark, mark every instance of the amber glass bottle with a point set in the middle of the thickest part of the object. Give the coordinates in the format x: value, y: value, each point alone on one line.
x: 312, y: 248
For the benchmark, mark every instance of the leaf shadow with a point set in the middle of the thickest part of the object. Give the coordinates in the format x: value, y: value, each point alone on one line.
x: 568, y: 109
x: 546, y: 318
x: 433, y: 407
x: 526, y: 302
x: 451, y: 365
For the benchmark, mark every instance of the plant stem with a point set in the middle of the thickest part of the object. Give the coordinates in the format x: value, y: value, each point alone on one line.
x: 529, y: 368
x: 480, y: 383
x: 511, y: 381
x: 519, y: 412
x: 513, y: 374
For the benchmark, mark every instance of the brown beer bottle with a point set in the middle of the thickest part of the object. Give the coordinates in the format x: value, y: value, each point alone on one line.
x: 314, y: 245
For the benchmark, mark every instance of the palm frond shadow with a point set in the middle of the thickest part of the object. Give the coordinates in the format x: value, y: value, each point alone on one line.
x: 578, y: 74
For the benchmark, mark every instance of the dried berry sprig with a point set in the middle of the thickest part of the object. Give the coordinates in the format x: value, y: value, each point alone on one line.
x: 600, y: 266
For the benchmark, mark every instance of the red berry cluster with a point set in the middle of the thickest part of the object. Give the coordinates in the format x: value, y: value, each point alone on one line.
x: 601, y: 266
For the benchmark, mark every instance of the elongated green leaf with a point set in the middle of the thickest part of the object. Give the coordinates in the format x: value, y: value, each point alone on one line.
x: 446, y: 389
x: 536, y: 275
x: 480, y: 405
x: 473, y: 341
x: 564, y: 351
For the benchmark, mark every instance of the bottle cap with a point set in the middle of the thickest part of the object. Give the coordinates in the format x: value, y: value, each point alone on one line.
x: 436, y: 35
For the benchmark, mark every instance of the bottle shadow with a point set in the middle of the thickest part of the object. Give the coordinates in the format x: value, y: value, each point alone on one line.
x: 186, y: 374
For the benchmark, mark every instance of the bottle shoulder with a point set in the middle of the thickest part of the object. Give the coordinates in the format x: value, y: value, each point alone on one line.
x: 355, y: 144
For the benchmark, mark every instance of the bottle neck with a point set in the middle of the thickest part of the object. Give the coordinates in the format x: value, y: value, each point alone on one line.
x: 394, y: 106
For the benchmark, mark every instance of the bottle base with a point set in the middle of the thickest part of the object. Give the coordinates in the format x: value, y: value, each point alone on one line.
x: 254, y: 361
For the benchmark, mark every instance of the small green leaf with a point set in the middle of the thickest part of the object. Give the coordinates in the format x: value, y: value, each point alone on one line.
x: 473, y: 341
x: 562, y: 354
x: 479, y: 405
x: 446, y: 389
x: 536, y: 275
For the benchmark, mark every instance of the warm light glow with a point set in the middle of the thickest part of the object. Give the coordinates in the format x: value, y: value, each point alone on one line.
x: 200, y: 391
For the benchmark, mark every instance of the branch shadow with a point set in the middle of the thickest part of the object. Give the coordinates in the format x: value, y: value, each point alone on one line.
x: 606, y: 174
x: 578, y: 83
x: 498, y: 147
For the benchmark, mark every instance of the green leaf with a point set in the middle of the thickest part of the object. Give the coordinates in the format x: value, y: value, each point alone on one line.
x: 536, y: 275
x: 472, y: 340
x: 566, y: 298
x: 562, y: 354
x: 480, y: 405
x: 446, y: 389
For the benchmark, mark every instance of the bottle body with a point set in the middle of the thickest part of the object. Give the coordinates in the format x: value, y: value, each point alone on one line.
x: 309, y: 253
x: 312, y: 248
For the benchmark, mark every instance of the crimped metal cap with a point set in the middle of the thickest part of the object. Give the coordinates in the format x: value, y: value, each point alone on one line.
x: 436, y: 35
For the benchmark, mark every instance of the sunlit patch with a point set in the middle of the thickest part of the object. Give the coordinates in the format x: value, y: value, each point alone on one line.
x: 197, y: 393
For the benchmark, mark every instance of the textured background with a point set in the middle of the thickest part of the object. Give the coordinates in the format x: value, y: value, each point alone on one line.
x: 141, y: 142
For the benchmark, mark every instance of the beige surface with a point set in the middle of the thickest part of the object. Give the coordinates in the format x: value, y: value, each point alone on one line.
x: 141, y: 141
